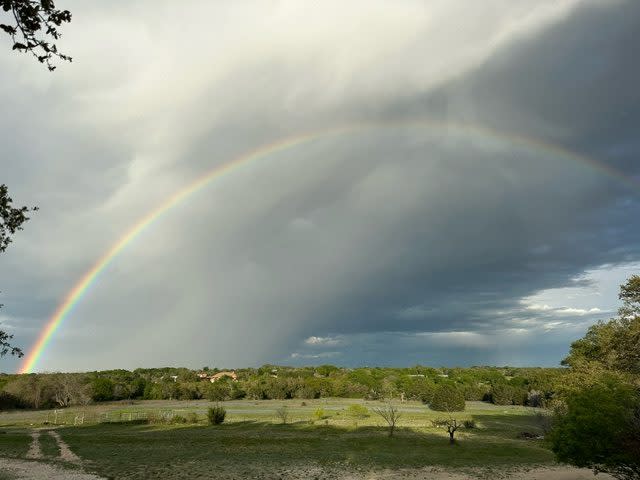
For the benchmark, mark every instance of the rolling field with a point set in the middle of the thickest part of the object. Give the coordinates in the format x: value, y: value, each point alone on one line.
x: 254, y: 443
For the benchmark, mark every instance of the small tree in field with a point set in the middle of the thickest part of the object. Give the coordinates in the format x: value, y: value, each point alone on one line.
x: 451, y: 425
x: 283, y: 414
x: 390, y: 413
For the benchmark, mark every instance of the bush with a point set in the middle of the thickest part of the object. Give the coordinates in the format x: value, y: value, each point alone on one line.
x: 319, y: 414
x: 216, y: 415
x: 469, y: 424
x: 192, y: 417
x: 178, y: 419
x: 447, y: 398
x: 358, y: 411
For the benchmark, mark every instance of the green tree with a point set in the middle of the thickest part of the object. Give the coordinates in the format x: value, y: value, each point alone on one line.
x: 447, y: 398
x: 601, y: 430
x: 614, y: 344
x: 102, y: 389
x: 33, y: 26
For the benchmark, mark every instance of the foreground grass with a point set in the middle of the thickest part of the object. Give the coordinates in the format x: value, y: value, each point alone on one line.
x: 14, y: 442
x: 252, y: 444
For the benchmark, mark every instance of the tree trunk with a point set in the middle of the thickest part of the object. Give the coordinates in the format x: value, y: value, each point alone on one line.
x: 451, y: 440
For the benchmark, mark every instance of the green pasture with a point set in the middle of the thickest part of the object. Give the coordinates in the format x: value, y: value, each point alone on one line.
x: 254, y: 443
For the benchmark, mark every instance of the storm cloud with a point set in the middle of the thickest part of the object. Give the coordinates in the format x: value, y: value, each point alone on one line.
x: 449, y: 228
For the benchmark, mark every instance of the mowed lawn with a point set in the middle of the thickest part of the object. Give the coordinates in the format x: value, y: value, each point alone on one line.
x: 253, y: 443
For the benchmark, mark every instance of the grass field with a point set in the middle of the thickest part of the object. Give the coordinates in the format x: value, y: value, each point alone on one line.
x: 253, y: 443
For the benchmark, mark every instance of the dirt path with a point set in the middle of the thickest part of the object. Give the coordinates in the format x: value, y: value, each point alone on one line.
x: 34, y: 448
x: 65, y: 452
x: 33, y: 470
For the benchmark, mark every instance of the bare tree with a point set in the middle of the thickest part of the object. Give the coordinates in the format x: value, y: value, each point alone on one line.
x: 283, y: 414
x: 390, y: 413
x: 69, y: 389
x: 451, y: 425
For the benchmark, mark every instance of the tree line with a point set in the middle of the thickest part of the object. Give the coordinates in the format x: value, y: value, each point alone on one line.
x: 535, y: 387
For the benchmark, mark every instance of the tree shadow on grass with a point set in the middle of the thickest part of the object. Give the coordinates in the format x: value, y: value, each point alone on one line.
x: 506, y: 426
x: 251, y: 442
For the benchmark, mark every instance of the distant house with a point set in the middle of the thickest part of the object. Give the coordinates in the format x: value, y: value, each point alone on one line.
x: 217, y: 376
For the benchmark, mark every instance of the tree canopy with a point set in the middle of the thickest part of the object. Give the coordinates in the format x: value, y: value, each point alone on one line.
x: 600, y: 430
x: 615, y: 344
x: 600, y: 427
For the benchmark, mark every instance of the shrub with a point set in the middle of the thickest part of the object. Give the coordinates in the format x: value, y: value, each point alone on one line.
x: 358, y: 411
x: 192, y: 417
x: 216, y: 415
x: 319, y: 414
x: 178, y: 419
x: 447, y: 398
x: 469, y: 424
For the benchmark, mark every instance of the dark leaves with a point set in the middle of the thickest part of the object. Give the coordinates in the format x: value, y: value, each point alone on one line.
x: 8, y: 28
x: 32, y: 18
x: 6, y: 347
x: 11, y: 218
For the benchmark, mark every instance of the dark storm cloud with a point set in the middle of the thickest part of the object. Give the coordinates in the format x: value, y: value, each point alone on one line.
x: 387, y: 246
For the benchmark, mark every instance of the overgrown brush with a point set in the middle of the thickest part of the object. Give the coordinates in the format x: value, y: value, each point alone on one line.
x: 358, y: 411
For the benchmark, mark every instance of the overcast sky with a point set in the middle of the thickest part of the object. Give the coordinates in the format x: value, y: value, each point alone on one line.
x: 392, y: 244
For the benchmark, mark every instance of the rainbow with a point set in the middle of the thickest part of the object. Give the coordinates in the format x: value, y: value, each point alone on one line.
x: 466, y: 130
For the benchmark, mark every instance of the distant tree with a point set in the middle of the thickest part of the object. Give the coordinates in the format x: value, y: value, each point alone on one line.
x: 102, y: 389
x: 601, y: 430
x: 447, y: 398
x: 390, y: 414
x: 70, y: 389
x: 33, y: 390
x: 33, y: 28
